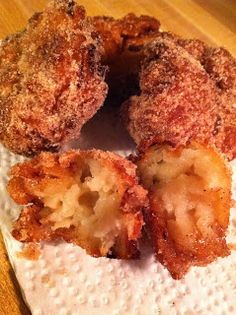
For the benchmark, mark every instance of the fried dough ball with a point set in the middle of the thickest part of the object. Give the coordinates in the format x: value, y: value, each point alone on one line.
x: 187, y: 93
x: 189, y: 191
x: 177, y: 101
x: 90, y: 198
x: 51, y: 79
x: 124, y: 40
x: 221, y: 67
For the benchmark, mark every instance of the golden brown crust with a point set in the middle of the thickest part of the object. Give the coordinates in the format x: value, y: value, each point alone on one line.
x: 178, y: 100
x: 221, y: 66
x: 178, y: 261
x: 109, y: 31
x: 30, y: 180
x: 124, y: 40
x: 187, y: 93
x: 51, y: 80
x: 180, y: 244
x: 217, y: 62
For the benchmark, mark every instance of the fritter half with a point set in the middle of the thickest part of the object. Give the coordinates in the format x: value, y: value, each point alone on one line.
x: 90, y: 198
x: 124, y: 40
x: 189, y: 191
x: 51, y: 79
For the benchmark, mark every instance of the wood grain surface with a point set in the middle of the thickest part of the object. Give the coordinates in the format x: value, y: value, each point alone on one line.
x: 213, y: 21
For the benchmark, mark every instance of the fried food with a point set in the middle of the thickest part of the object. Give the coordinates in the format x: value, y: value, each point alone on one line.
x: 189, y: 191
x: 177, y: 101
x: 182, y: 98
x: 51, y: 79
x: 217, y: 61
x: 124, y: 40
x: 221, y: 67
x: 90, y: 198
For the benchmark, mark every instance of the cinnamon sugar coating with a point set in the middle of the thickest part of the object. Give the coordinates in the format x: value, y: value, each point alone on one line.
x: 51, y: 79
x: 178, y: 99
x: 221, y: 66
x: 188, y: 92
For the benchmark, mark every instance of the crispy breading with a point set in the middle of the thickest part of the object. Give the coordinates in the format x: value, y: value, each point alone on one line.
x: 124, y: 40
x: 51, y: 79
x: 217, y: 62
x: 178, y: 99
x: 189, y: 190
x: 221, y: 67
x: 187, y: 93
x: 90, y: 198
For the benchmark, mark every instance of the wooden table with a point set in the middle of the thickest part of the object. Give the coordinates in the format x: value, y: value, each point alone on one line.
x: 213, y: 21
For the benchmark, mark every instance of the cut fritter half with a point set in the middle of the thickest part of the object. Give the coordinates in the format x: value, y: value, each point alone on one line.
x: 189, y: 190
x: 90, y: 198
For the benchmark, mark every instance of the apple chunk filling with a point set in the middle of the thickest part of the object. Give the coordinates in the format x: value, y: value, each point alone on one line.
x: 189, y: 190
x: 90, y: 198
x: 90, y: 205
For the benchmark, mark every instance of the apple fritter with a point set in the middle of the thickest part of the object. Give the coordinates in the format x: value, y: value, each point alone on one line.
x: 177, y: 101
x: 188, y: 92
x: 51, y: 79
x: 189, y: 190
x: 90, y: 198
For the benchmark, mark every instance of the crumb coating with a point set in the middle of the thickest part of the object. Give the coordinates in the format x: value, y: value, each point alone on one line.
x: 51, y: 79
x: 188, y: 92
x: 178, y: 100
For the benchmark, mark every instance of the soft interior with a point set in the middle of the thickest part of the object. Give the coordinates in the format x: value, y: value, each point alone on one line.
x: 189, y: 186
x: 88, y: 200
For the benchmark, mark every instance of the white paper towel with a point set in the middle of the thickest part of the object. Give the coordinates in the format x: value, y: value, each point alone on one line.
x: 66, y: 281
